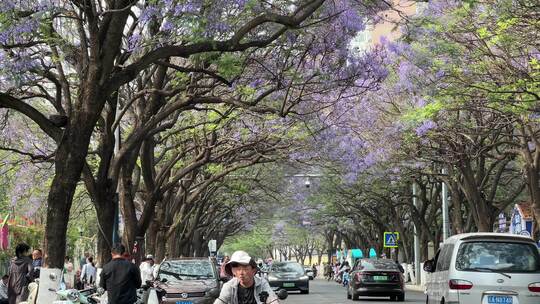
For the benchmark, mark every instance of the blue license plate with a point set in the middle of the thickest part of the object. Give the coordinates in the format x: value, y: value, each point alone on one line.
x: 184, y: 302
x: 499, y: 300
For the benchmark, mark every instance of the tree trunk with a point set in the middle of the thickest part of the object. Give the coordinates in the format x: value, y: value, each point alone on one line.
x: 69, y: 160
x: 127, y: 204
x: 105, y: 216
x: 151, y: 237
x: 160, y: 251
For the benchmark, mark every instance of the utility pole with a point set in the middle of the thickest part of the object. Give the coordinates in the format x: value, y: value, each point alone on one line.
x: 445, y: 220
x: 416, y: 242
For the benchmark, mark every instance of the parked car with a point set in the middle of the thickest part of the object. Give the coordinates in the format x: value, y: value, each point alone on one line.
x: 309, y: 272
x: 288, y: 276
x: 376, y: 278
x: 189, y: 280
x: 485, y: 268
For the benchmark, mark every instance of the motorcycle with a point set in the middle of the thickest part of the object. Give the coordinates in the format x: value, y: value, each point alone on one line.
x: 282, y: 294
x: 73, y: 296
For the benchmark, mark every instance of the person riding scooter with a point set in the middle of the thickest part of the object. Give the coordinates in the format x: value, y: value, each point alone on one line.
x: 245, y: 287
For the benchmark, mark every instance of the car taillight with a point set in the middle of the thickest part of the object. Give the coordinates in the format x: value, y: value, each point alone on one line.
x: 534, y: 287
x: 460, y: 284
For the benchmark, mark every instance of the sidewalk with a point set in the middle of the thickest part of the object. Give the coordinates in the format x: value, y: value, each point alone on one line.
x: 413, y: 287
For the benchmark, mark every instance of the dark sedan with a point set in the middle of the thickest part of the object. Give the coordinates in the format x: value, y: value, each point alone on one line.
x: 189, y: 281
x: 376, y: 278
x: 289, y: 276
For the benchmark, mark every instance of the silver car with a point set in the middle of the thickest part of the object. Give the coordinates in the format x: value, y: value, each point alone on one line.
x: 485, y: 268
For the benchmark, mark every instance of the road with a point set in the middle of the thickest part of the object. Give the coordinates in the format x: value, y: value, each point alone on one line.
x: 323, y: 292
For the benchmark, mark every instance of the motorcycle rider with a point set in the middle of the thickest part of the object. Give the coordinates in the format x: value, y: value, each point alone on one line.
x: 120, y: 278
x: 245, y: 287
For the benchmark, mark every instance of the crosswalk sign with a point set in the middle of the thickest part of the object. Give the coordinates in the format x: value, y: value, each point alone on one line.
x: 391, y: 239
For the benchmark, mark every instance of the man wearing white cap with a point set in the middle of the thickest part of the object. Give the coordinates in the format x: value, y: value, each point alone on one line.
x: 147, y: 269
x: 245, y: 287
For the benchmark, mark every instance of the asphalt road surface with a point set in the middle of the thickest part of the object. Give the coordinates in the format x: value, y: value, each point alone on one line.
x: 323, y: 292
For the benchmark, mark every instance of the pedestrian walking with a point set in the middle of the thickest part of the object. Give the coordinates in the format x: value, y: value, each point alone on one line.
x: 328, y: 271
x: 83, y: 260
x: 222, y: 273
x: 147, y: 269
x: 20, y: 274
x: 37, y: 262
x: 120, y: 278
x: 88, y: 273
x: 69, y: 273
x: 346, y: 277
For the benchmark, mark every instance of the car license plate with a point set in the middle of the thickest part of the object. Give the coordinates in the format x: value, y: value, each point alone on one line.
x: 380, y: 278
x: 184, y: 302
x: 288, y: 284
x: 499, y: 300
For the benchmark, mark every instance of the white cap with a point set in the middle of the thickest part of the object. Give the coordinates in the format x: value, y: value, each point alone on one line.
x: 239, y: 257
x: 150, y: 256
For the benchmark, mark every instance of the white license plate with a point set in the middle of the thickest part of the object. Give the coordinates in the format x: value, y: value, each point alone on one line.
x: 380, y: 278
x: 499, y: 300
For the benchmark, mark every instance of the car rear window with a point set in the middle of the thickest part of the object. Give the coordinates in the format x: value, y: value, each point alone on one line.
x: 498, y: 256
x: 186, y: 270
x: 288, y: 267
x: 379, y: 265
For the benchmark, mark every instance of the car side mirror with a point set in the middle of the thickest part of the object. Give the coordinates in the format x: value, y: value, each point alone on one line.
x: 429, y: 266
x: 282, y: 294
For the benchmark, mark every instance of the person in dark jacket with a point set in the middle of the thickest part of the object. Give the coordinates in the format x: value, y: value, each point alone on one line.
x: 120, y: 278
x: 20, y: 274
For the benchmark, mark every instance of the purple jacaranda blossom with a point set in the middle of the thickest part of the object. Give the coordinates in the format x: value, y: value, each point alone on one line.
x: 255, y: 83
x: 440, y: 74
x: 7, y: 5
x: 534, y: 116
x: 420, y: 102
x: 437, y: 8
x: 134, y: 42
x: 19, y: 32
x: 167, y: 26
x: 350, y: 178
x: 148, y: 13
x: 397, y: 47
x: 189, y: 7
x: 425, y: 127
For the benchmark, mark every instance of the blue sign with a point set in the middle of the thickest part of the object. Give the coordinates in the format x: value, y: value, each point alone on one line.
x: 357, y: 254
x: 391, y: 239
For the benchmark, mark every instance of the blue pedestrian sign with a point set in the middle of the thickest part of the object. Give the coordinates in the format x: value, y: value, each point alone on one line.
x: 391, y: 239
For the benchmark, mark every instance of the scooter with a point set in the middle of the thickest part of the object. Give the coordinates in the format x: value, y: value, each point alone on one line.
x: 73, y: 296
x: 150, y: 294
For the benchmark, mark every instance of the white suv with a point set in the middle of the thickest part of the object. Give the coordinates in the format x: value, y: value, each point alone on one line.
x: 484, y: 268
